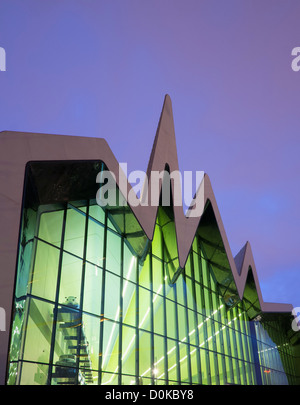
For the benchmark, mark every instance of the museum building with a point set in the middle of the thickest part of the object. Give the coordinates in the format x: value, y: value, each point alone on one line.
x: 122, y: 294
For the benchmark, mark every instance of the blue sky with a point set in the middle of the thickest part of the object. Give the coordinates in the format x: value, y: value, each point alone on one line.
x: 101, y: 68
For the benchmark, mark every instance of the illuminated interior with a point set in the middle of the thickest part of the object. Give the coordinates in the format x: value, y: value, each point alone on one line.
x: 96, y: 302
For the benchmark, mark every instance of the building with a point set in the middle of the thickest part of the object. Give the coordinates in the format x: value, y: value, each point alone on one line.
x: 125, y: 294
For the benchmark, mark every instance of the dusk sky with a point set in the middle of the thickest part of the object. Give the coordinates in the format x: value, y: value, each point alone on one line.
x: 101, y: 68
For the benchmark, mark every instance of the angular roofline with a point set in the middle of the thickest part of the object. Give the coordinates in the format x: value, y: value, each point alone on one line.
x: 19, y: 148
x: 164, y: 152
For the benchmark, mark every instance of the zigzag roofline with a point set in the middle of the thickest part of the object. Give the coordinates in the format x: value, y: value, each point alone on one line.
x: 46, y: 147
x: 164, y: 152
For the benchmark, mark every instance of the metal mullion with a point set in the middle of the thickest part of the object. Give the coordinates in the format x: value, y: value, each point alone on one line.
x: 250, y: 349
x: 241, y: 339
x: 187, y: 329
x: 213, y: 326
x: 82, y: 288
x: 206, y: 353
x: 121, y: 314
x: 151, y: 317
x: 102, y: 302
x: 229, y: 356
x: 165, y: 314
x: 196, y: 319
x: 137, y: 336
x: 220, y: 335
x: 239, y: 345
x: 234, y: 345
x: 52, y: 345
x: 26, y: 310
x: 177, y: 337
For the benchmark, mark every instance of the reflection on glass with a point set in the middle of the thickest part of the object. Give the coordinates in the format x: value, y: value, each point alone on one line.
x: 96, y: 313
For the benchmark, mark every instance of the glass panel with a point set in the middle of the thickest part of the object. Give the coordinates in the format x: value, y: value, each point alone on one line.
x: 96, y: 212
x: 159, y: 359
x: 191, y: 299
x: 172, y: 361
x: 205, y: 367
x: 129, y: 271
x: 182, y: 321
x: 113, y: 255
x: 70, y: 281
x: 144, y: 277
x: 184, y: 363
x: 110, y: 379
x: 38, y: 331
x: 110, y: 358
x: 45, y: 271
x: 171, y: 321
x: 144, y: 309
x: 95, y: 239
x: 195, y: 366
x: 50, y: 227
x: 92, y: 289
x: 128, y: 350
x: 151, y: 332
x: 74, y: 233
x: 90, y: 346
x: 157, y: 243
x: 157, y: 276
x: 145, y: 365
x: 159, y: 315
x: 180, y: 288
x: 112, y: 297
x: 34, y: 374
x: 193, y: 330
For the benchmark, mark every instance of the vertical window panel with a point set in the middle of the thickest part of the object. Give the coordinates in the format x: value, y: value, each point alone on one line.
x: 74, y: 232
x: 171, y: 322
x: 70, y: 280
x: 50, y: 227
x: 113, y: 255
x: 95, y: 240
x: 157, y: 277
x: 45, y: 271
x: 96, y: 212
x: 38, y: 331
x: 159, y: 315
x: 182, y: 323
x: 180, y: 287
x: 110, y: 355
x: 90, y: 336
x: 145, y: 365
x: 128, y: 350
x: 172, y: 361
x: 157, y: 242
x: 144, y: 309
x: 92, y: 289
x: 160, y: 359
x: 112, y: 297
x: 34, y: 374
x: 184, y: 363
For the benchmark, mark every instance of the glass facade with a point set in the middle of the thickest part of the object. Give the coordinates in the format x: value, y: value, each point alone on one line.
x: 89, y: 310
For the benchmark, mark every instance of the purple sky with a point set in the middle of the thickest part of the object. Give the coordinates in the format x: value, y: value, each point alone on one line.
x: 102, y: 68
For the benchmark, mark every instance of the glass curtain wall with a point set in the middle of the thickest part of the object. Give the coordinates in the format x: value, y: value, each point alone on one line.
x: 89, y: 311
